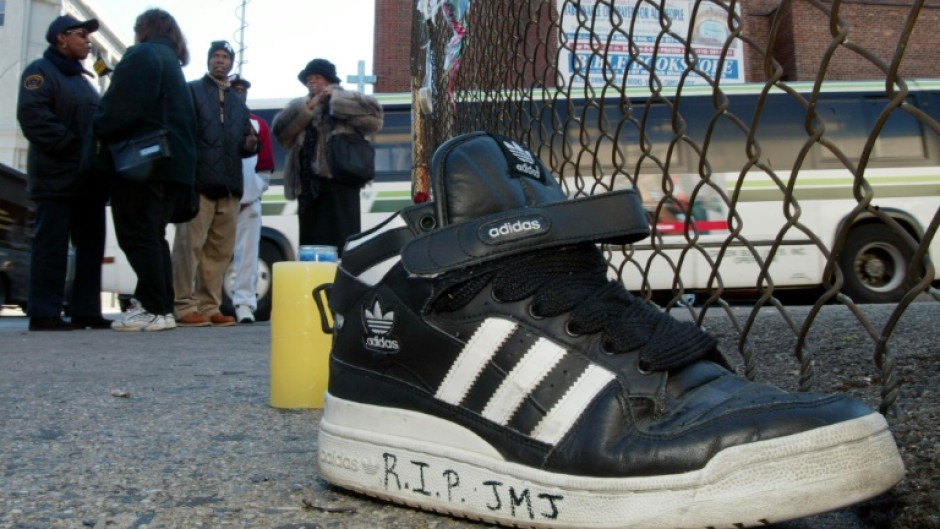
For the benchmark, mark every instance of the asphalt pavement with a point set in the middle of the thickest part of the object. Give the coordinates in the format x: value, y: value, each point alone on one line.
x: 101, y: 429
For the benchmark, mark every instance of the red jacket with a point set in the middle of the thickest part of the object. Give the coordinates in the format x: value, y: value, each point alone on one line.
x: 266, y: 154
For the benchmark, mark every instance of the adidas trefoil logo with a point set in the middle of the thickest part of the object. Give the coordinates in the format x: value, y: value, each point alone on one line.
x: 379, y: 327
x: 519, y: 151
x: 376, y: 321
x: 527, y: 165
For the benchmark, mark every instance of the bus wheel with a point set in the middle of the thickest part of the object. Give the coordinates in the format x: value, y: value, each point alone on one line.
x: 268, y: 254
x: 875, y: 265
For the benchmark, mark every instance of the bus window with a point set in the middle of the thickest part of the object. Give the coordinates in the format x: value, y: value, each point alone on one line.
x: 900, y: 138
x: 849, y: 122
x: 393, y: 146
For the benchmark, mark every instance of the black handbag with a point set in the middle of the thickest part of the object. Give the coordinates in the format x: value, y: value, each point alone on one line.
x: 134, y: 158
x: 352, y: 159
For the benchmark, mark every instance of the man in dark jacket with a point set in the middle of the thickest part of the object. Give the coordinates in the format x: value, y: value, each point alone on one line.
x: 54, y: 110
x: 205, y: 244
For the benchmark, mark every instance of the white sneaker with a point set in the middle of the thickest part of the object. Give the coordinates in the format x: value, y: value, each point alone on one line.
x: 136, y: 319
x: 161, y: 323
x: 243, y: 314
x: 170, y: 320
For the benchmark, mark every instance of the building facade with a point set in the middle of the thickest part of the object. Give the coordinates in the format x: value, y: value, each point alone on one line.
x: 23, y: 25
x: 805, y: 31
x: 875, y: 26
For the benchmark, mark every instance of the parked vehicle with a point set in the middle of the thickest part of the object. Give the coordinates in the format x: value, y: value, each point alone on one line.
x: 16, y: 237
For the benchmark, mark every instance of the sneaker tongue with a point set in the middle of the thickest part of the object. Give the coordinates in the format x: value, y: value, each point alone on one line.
x: 479, y: 174
x: 493, y: 198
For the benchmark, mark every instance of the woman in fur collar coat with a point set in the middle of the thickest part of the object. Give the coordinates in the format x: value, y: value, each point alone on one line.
x: 328, y: 210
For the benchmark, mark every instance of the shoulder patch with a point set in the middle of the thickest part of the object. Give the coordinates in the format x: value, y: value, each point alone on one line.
x: 33, y: 81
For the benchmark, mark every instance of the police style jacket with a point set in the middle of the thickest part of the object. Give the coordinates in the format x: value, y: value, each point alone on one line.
x: 54, y: 109
x: 222, y: 120
x: 148, y: 92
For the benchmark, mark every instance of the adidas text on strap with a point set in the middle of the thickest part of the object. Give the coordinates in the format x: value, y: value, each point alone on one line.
x: 613, y: 218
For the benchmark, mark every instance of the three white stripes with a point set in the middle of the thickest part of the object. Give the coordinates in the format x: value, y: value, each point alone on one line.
x: 538, y: 361
x: 522, y: 380
x: 482, y: 346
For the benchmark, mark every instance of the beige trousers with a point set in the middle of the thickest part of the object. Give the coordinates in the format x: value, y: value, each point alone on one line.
x: 202, y: 252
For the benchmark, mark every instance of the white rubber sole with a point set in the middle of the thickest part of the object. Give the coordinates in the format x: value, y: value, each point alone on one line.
x: 433, y: 464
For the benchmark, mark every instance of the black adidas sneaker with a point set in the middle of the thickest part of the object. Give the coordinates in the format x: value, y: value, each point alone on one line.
x: 484, y: 365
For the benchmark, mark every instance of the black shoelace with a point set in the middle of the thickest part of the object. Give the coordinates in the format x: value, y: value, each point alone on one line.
x: 574, y: 280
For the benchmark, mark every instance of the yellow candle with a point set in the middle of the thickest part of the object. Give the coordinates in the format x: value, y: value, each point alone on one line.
x: 300, y: 350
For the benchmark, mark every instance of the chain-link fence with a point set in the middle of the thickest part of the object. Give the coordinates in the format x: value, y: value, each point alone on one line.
x: 761, y: 181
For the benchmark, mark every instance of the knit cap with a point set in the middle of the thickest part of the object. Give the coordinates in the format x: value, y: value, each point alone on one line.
x: 221, y: 45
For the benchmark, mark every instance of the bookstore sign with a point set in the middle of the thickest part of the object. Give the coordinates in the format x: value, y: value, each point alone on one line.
x: 597, y: 46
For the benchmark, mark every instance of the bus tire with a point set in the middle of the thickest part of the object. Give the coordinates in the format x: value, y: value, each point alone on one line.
x: 268, y: 254
x: 875, y: 264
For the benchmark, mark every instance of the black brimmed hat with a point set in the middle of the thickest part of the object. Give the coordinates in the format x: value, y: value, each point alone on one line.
x: 319, y: 66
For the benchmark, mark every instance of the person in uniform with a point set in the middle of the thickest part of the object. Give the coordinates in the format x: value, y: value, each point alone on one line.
x: 54, y: 109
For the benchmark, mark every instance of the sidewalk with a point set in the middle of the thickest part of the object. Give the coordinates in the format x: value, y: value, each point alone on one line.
x: 173, y: 430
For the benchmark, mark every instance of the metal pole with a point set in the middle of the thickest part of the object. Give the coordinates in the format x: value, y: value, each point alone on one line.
x: 241, y: 37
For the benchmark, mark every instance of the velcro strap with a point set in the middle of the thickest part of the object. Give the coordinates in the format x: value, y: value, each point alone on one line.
x: 613, y: 218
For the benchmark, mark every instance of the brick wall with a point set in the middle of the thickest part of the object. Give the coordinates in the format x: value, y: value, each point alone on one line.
x: 392, y: 45
x: 759, y: 18
x: 874, y: 26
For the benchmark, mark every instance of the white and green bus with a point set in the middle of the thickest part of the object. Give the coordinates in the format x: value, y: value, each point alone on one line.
x: 759, y: 173
x: 736, y: 217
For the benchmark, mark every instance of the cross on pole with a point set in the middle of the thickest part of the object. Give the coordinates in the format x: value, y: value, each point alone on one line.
x: 360, y: 79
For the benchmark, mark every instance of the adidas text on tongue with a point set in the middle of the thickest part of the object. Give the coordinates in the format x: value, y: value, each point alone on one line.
x: 528, y: 169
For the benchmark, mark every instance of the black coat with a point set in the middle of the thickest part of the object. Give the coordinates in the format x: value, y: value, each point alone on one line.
x: 54, y: 109
x: 133, y: 105
x: 220, y: 142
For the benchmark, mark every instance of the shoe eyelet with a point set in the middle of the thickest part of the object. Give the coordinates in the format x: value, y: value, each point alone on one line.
x: 569, y: 331
x: 607, y: 347
x: 494, y: 297
x: 643, y: 368
x: 427, y: 223
x: 532, y: 313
